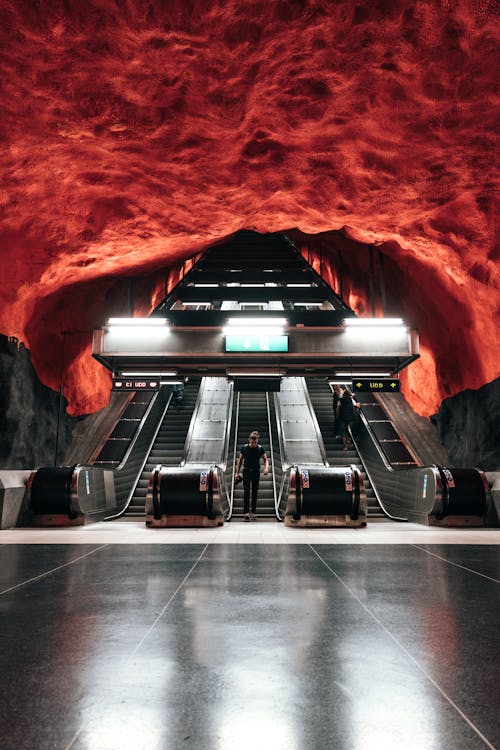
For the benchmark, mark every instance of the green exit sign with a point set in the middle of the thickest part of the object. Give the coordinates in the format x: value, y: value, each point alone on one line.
x: 376, y: 385
x: 260, y: 343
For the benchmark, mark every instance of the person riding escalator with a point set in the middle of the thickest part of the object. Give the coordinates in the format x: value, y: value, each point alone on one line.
x: 250, y: 456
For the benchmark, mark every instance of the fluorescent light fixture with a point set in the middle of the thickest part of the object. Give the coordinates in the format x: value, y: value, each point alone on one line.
x: 204, y: 285
x: 241, y: 322
x: 373, y: 322
x: 137, y: 322
x: 359, y: 374
x: 299, y: 285
x: 171, y: 382
x: 149, y: 374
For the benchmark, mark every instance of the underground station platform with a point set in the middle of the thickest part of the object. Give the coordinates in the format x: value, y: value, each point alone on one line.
x: 115, y: 636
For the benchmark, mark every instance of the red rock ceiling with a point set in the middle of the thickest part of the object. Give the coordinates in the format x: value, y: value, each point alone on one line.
x: 136, y: 133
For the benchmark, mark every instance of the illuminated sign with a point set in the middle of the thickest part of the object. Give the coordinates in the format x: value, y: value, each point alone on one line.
x: 256, y: 343
x: 136, y: 384
x: 376, y: 385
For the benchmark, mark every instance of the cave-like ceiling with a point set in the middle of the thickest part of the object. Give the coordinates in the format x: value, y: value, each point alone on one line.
x: 137, y: 133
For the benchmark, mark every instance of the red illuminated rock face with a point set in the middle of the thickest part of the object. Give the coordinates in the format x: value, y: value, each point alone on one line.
x: 135, y: 134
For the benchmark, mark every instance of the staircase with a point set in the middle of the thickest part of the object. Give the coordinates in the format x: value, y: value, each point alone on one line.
x: 168, y: 447
x: 322, y: 401
x: 253, y: 416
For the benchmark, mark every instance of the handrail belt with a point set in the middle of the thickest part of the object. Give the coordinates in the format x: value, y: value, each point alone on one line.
x: 357, y: 496
x: 210, y: 493
x: 156, y: 504
x: 298, y: 495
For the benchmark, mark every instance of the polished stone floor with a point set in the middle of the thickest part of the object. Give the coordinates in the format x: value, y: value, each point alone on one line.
x: 249, y: 646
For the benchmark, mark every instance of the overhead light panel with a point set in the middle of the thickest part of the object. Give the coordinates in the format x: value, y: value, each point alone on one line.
x: 362, y: 322
x: 147, y: 322
x: 125, y: 329
x: 375, y: 329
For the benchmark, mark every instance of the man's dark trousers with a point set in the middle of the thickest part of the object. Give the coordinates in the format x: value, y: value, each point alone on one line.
x: 250, y: 477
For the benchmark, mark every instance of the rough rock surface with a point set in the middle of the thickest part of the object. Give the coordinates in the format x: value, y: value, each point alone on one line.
x: 136, y: 134
x: 469, y: 427
x: 29, y: 414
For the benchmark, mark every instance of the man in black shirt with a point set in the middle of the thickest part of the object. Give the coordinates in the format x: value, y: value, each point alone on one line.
x: 250, y: 456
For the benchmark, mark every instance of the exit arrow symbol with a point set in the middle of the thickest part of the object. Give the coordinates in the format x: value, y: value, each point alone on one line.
x: 393, y: 385
x: 358, y: 385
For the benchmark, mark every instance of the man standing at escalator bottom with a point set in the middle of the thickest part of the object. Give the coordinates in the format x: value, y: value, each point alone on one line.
x: 250, y: 456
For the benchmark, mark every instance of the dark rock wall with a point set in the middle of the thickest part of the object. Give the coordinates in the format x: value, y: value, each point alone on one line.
x: 29, y: 413
x: 469, y: 427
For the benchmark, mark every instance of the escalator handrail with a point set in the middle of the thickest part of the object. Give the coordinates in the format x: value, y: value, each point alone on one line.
x: 137, y: 433
x: 284, y: 477
x: 210, y: 493
x: 235, y: 449
x: 155, y: 480
x: 357, y: 493
x: 279, y: 426
x: 227, y: 431
x: 284, y: 467
x: 271, y: 451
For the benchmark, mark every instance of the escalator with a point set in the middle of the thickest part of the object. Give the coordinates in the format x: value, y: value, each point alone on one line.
x: 112, y: 453
x: 189, y: 491
x: 260, y: 275
x: 322, y: 401
x: 404, y: 488
x: 315, y: 493
x: 390, y: 440
x: 168, y: 446
x: 251, y: 411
